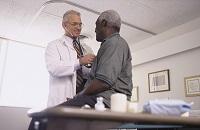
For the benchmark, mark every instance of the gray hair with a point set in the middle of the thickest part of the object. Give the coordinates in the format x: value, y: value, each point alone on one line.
x: 112, y: 18
x: 68, y: 13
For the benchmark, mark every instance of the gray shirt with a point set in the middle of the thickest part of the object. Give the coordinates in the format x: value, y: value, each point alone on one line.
x: 113, y: 66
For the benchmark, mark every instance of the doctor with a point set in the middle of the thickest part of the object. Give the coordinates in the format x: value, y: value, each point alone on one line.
x: 62, y: 62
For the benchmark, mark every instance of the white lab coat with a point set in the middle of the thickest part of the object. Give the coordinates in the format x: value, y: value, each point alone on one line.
x: 62, y: 63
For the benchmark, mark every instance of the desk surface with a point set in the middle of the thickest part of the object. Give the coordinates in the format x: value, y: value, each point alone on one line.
x: 90, y: 114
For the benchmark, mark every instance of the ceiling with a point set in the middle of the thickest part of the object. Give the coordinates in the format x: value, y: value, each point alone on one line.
x: 39, y: 21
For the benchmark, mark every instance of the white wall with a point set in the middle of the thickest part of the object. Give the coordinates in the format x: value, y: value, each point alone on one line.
x: 22, y: 75
x: 23, y: 83
x: 14, y: 118
x: 180, y: 54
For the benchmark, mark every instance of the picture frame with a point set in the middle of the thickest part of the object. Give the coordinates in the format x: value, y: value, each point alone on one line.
x: 159, y: 81
x: 192, y: 86
x: 135, y: 94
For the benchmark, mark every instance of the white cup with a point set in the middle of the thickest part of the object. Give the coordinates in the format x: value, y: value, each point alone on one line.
x: 118, y: 102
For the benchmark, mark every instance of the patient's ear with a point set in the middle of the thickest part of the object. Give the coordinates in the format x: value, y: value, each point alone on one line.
x: 104, y: 23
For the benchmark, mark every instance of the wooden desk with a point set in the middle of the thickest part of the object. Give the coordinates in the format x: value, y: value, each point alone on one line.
x: 58, y: 117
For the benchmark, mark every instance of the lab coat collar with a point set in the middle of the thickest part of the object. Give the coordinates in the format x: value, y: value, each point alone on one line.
x: 67, y: 41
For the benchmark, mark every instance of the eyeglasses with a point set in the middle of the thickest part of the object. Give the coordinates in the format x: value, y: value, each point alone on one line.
x: 74, y: 24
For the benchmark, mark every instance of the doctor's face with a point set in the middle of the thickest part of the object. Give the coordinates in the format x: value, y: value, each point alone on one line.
x: 73, y: 26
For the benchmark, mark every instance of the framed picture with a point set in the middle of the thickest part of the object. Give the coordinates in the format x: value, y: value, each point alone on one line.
x: 135, y: 94
x: 159, y: 81
x: 192, y: 86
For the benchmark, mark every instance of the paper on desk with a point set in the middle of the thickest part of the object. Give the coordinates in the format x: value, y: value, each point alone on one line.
x: 167, y: 107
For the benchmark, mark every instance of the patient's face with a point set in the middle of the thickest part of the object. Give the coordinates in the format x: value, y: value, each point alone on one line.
x: 99, y: 31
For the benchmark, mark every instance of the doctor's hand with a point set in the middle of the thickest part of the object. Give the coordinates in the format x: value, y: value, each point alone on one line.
x: 87, y: 59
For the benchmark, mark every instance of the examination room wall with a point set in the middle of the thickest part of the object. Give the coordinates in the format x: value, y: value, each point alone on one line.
x: 180, y: 65
x: 179, y: 54
x: 14, y: 118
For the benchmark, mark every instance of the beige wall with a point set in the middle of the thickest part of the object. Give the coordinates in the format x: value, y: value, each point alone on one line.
x: 13, y: 118
x: 180, y: 66
x: 180, y: 54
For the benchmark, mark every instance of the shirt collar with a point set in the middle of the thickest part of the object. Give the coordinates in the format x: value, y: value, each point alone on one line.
x: 112, y: 35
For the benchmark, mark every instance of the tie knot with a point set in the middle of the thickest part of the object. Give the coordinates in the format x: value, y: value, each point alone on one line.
x: 77, y: 48
x: 74, y: 41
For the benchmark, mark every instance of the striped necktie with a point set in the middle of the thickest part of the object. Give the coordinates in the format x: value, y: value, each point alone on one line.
x: 80, y: 81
